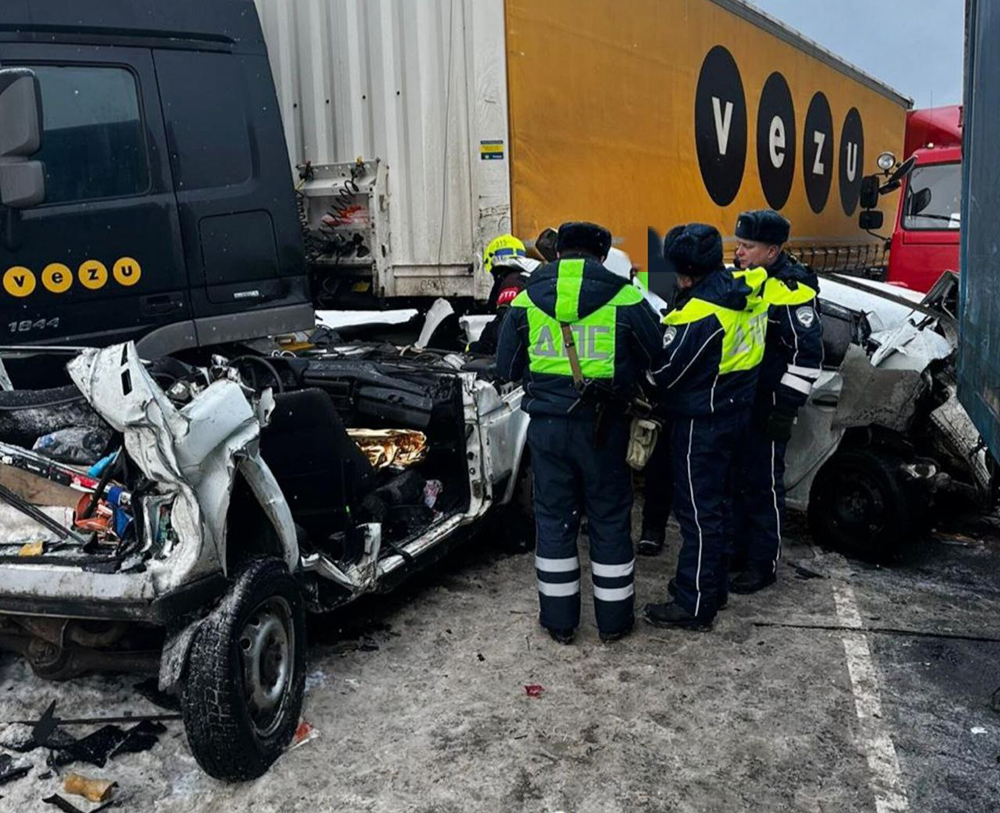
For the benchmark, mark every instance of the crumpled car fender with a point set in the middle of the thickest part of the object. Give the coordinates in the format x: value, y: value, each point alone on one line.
x: 193, y: 452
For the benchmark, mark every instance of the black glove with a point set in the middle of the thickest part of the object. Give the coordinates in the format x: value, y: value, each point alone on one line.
x: 779, y: 424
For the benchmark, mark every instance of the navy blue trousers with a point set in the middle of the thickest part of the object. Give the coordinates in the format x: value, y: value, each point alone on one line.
x: 760, y: 503
x: 573, y: 478
x: 705, y: 452
x: 658, y: 491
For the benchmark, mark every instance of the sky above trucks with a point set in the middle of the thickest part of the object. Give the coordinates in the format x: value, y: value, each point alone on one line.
x: 915, y: 46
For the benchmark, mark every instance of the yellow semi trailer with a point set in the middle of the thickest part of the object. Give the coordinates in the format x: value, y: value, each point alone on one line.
x: 475, y: 117
x: 656, y: 112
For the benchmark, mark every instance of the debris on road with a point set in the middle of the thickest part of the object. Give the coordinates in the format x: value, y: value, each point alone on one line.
x: 534, y: 690
x: 303, y: 734
x: 803, y: 572
x: 67, y: 807
x: 315, y: 678
x: 96, y: 748
x: 11, y: 770
x: 93, y: 790
x: 107, y: 742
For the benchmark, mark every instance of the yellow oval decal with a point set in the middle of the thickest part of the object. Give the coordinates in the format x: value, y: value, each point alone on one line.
x: 127, y: 271
x: 93, y: 274
x: 57, y: 278
x: 19, y: 281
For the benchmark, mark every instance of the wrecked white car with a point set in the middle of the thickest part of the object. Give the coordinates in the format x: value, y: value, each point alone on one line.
x: 228, y: 502
x: 883, y: 434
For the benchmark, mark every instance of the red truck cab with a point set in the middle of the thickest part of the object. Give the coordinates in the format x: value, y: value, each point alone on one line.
x: 925, y: 240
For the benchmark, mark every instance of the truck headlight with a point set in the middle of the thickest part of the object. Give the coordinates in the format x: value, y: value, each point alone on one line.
x: 886, y: 161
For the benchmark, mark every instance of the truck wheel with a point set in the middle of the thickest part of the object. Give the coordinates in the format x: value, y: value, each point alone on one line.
x: 859, y: 504
x: 246, y: 674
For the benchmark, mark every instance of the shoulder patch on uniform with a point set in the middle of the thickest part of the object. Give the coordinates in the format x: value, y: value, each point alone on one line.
x: 669, y: 335
x: 806, y: 316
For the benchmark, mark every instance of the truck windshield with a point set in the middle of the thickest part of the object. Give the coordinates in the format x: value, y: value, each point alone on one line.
x: 933, y: 198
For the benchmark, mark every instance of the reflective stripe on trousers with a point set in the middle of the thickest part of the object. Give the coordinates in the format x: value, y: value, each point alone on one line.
x: 703, y: 451
x: 572, y: 477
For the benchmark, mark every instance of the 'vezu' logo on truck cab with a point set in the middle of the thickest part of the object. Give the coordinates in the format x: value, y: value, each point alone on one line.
x: 56, y: 278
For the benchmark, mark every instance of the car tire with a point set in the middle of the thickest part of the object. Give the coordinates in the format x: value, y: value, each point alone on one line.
x: 242, y: 695
x: 859, y: 504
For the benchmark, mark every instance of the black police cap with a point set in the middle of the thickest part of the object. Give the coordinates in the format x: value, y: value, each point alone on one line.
x: 693, y: 250
x: 584, y: 237
x: 763, y: 226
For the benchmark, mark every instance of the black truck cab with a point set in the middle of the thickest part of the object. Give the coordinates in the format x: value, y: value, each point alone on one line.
x: 153, y: 199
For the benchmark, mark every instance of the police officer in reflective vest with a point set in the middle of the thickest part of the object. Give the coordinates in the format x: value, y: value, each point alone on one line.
x: 793, y: 360
x: 707, y: 377
x: 576, y: 313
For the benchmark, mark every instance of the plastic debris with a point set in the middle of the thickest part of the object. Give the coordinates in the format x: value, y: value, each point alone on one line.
x: 93, y: 790
x: 534, y: 690
x: 303, y: 734
x: 804, y: 573
x: 98, y: 468
x: 67, y: 807
x: 78, y: 445
x: 107, y: 742
x: 315, y: 678
x: 42, y: 731
x: 432, y: 490
x: 11, y: 770
x: 36, y: 548
x: 978, y: 730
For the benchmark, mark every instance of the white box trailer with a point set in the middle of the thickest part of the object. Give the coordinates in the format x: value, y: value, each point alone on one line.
x: 423, y: 128
x: 415, y: 89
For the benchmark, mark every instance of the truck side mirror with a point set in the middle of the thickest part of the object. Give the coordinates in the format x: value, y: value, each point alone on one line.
x: 921, y: 200
x: 22, y: 181
x: 869, y: 192
x: 903, y: 170
x: 870, y: 220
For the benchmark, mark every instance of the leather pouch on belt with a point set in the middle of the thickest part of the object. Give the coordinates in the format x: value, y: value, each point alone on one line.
x: 643, y: 434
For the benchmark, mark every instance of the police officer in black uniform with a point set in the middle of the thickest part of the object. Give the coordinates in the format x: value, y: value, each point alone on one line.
x: 707, y: 377
x: 578, y: 435
x: 793, y: 360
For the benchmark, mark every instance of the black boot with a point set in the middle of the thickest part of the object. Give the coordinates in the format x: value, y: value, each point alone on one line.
x: 673, y: 616
x: 750, y: 581
x: 611, y: 637
x: 560, y: 636
x: 721, y: 604
x: 649, y: 545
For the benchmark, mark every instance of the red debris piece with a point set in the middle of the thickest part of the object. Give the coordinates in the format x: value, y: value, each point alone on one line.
x: 303, y: 734
x: 534, y: 690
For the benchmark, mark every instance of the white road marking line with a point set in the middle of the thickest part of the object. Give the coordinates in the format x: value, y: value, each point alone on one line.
x: 883, y: 762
